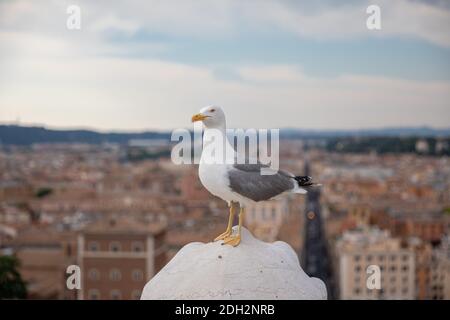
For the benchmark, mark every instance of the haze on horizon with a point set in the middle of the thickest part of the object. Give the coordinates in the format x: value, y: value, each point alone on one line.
x: 150, y: 65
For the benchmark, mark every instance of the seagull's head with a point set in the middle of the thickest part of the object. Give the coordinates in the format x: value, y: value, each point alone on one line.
x: 211, y: 116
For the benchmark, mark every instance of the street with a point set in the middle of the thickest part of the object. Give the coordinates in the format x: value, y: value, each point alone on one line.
x: 315, y: 259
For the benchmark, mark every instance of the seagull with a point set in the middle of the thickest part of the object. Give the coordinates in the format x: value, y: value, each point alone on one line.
x: 239, y: 185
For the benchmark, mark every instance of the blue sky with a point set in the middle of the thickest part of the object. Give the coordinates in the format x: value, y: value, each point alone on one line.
x: 149, y: 65
x: 402, y: 58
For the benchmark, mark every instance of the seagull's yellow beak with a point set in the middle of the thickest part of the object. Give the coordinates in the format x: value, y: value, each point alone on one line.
x: 198, y: 117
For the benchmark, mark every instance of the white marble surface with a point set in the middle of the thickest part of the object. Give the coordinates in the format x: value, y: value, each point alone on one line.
x: 252, y: 270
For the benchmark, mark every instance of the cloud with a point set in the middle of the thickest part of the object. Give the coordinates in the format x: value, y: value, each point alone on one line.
x: 416, y: 19
x: 124, y: 93
x: 400, y: 18
x: 323, y: 20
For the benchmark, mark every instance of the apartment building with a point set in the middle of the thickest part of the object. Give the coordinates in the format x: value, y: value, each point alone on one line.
x: 265, y: 218
x: 439, y: 278
x: 358, y: 249
x: 117, y: 257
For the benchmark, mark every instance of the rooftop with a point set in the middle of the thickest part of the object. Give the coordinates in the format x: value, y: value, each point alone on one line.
x: 123, y: 224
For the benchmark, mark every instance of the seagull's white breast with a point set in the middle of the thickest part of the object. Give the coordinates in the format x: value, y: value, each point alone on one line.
x: 215, y: 179
x: 214, y: 175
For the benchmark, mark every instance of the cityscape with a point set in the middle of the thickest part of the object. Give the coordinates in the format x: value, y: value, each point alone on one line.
x: 121, y: 218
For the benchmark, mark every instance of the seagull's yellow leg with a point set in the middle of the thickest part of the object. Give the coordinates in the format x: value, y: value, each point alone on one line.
x: 235, y: 240
x: 227, y: 232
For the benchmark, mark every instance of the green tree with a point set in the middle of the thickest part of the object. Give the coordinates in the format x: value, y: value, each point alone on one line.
x: 43, y: 192
x: 11, y: 284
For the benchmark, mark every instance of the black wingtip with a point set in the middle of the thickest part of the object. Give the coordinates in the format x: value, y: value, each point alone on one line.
x: 303, y: 181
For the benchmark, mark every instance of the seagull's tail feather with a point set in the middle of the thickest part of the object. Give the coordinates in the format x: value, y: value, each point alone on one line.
x: 304, y: 183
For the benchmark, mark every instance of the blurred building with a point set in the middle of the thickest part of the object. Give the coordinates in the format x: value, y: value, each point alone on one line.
x: 41, y: 261
x: 439, y: 280
x: 358, y: 249
x: 14, y: 190
x: 118, y: 256
x: 425, y: 265
x: 191, y: 188
x: 422, y: 146
x: 429, y: 227
x: 265, y: 218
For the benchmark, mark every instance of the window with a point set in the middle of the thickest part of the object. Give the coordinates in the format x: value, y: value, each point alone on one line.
x: 94, y: 274
x: 136, y: 295
x: 69, y: 250
x: 114, y: 246
x: 137, y: 275
x: 115, y: 275
x: 358, y: 268
x: 93, y: 294
x: 274, y: 213
x: 137, y: 246
x: 357, y: 258
x: 93, y: 246
x: 115, y: 294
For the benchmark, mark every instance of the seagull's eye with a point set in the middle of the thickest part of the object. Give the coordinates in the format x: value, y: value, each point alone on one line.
x: 213, y: 110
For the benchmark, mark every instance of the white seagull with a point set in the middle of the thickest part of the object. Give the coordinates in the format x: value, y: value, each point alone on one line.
x: 239, y: 184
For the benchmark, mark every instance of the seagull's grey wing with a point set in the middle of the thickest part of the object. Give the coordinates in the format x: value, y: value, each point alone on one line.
x: 246, y: 180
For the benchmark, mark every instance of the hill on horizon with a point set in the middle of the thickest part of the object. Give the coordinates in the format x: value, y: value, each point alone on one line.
x: 27, y: 135
x: 21, y: 135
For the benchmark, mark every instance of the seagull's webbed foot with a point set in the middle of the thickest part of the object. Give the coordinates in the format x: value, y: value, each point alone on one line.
x: 227, y: 237
x: 232, y: 240
x: 224, y: 235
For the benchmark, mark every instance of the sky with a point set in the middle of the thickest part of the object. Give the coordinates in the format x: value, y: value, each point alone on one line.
x: 146, y: 65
